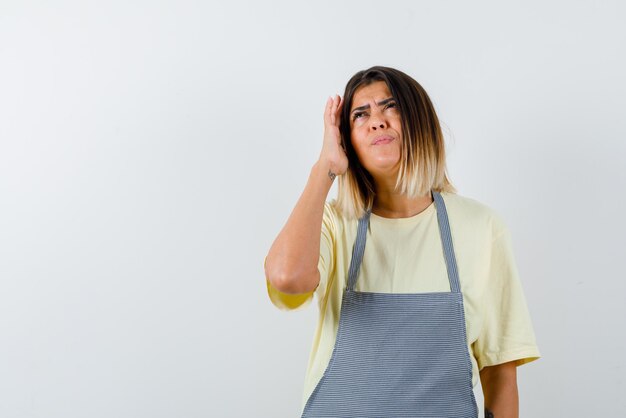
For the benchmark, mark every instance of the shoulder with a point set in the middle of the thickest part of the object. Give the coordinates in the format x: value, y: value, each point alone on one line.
x: 330, y: 209
x: 463, y: 210
x: 333, y: 216
x: 332, y: 221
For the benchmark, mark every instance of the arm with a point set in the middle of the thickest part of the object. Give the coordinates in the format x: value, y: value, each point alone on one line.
x: 291, y: 264
x: 499, y: 385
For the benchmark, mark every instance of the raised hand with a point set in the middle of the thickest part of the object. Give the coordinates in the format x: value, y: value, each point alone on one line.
x: 332, y: 151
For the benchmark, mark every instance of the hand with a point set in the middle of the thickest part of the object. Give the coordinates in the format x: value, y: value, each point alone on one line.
x: 332, y: 151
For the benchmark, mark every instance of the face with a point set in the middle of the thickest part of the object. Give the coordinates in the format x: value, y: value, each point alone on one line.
x: 376, y: 129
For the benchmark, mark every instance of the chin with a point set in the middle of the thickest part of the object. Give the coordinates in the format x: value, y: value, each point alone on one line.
x: 385, y: 163
x: 384, y: 168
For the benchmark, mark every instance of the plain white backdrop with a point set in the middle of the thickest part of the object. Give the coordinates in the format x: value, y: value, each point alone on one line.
x: 150, y: 151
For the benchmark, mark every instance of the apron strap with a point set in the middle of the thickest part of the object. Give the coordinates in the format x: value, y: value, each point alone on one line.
x: 358, y: 249
x: 446, y: 240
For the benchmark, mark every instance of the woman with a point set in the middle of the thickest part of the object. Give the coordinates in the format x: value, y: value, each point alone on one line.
x: 410, y: 321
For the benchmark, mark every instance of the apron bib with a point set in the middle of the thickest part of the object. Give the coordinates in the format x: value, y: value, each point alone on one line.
x: 398, y: 354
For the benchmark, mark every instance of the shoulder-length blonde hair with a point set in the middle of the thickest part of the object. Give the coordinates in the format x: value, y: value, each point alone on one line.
x: 423, y: 159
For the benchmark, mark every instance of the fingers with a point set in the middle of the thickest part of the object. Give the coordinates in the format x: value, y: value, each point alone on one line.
x: 339, y: 106
x: 328, y: 112
x: 333, y: 110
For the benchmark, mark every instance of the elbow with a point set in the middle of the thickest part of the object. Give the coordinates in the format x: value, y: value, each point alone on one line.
x: 287, y: 282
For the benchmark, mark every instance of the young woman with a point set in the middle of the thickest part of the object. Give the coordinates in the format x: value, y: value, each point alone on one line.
x: 409, y: 322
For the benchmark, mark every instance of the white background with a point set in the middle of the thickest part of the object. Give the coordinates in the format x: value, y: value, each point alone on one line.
x: 150, y: 152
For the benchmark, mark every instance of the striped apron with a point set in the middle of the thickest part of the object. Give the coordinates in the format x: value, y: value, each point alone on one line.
x: 398, y: 354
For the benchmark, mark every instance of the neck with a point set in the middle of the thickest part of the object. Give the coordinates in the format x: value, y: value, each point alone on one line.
x: 390, y: 204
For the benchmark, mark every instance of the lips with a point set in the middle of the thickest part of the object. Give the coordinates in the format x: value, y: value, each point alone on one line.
x: 383, y: 139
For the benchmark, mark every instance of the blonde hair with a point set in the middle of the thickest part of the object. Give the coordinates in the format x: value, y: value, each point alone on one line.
x: 423, y: 155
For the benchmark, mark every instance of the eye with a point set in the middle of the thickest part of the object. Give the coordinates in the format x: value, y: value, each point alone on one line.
x: 390, y: 104
x: 357, y: 115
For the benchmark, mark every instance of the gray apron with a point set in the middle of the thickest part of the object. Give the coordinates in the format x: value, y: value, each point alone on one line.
x: 398, y: 354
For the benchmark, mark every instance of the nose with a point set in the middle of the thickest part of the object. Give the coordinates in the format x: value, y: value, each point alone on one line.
x: 377, y: 121
x: 378, y: 126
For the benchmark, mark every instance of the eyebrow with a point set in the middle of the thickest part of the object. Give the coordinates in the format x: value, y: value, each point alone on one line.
x: 381, y: 103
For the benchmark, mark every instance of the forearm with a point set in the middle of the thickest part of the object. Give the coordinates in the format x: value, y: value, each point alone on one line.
x: 499, y: 385
x: 291, y: 263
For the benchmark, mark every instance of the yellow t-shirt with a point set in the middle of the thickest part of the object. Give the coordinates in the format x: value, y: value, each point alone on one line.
x: 405, y: 255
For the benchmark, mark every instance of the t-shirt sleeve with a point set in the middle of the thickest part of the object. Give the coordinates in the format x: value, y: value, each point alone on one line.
x: 507, y: 333
x: 325, y: 265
